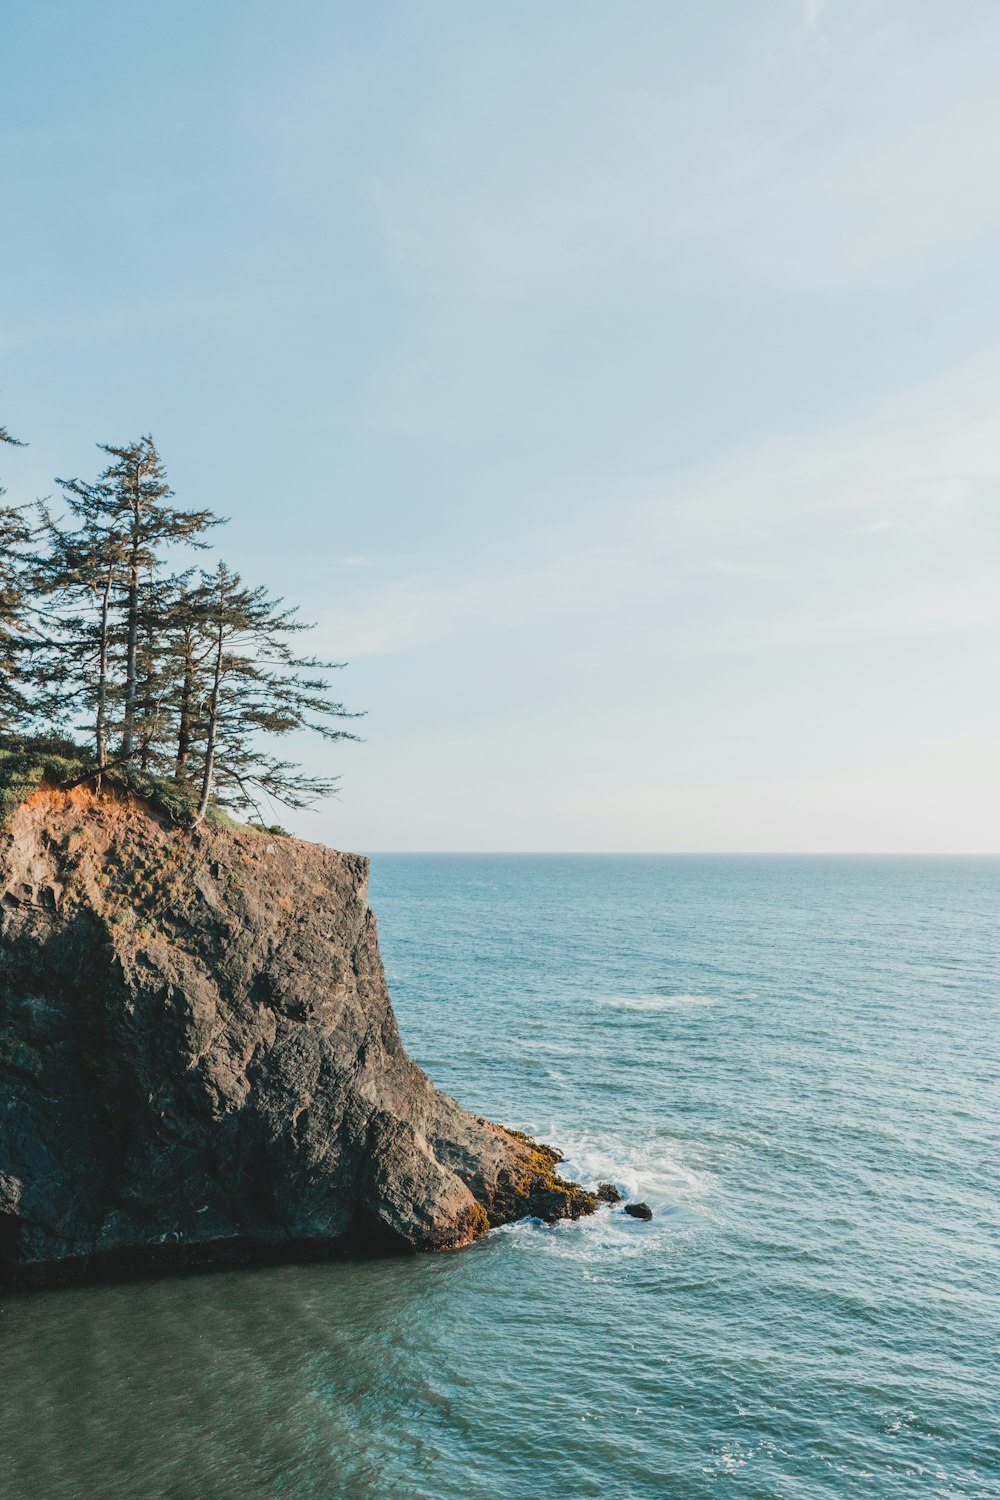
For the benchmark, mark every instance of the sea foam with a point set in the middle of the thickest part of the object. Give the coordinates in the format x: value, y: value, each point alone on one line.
x: 656, y: 1002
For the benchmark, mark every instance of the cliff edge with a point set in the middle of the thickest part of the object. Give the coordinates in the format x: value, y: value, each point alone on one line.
x: 199, y: 1061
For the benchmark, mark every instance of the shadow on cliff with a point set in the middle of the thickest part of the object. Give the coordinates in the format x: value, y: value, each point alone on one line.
x: 199, y: 1062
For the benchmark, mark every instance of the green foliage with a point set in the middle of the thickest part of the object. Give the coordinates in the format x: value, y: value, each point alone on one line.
x: 180, y: 683
x: 26, y: 763
x: 18, y: 627
x: 254, y: 686
x: 219, y: 818
x: 161, y: 792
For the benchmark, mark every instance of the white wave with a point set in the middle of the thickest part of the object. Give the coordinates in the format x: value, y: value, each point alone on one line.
x: 658, y: 1175
x: 682, y: 1199
x: 656, y: 1002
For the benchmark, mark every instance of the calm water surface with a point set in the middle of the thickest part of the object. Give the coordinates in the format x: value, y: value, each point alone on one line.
x: 795, y: 1061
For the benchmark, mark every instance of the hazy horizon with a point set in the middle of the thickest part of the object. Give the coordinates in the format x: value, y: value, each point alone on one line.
x: 619, y: 392
x: 943, y: 854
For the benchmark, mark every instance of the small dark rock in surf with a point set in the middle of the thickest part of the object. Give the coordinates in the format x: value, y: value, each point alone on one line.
x: 608, y: 1193
x: 639, y: 1210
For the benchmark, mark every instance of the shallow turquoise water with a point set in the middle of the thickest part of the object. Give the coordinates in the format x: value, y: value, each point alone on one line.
x: 795, y: 1061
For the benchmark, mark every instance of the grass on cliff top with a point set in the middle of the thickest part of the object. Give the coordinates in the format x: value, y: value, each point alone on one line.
x: 29, y: 763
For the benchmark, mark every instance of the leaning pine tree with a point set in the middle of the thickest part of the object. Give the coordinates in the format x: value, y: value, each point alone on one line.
x: 256, y: 687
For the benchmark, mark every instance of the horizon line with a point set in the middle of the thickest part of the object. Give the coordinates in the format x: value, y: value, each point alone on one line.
x: 697, y: 853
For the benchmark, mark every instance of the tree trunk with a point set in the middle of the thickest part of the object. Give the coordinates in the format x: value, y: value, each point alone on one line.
x: 128, y: 731
x: 213, y: 729
x: 102, y: 679
x: 184, y: 724
x: 150, y: 706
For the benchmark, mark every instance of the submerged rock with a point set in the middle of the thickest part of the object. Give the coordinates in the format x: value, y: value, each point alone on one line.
x: 199, y: 1062
x: 639, y: 1210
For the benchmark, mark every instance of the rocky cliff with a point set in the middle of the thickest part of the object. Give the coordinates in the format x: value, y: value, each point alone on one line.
x: 199, y: 1061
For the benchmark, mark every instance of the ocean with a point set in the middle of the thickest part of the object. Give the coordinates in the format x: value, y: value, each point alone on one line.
x: 795, y: 1061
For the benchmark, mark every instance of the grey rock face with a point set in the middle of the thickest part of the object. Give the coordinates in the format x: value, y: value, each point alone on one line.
x: 199, y: 1061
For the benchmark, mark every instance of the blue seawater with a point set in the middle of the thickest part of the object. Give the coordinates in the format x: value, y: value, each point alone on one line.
x: 795, y: 1061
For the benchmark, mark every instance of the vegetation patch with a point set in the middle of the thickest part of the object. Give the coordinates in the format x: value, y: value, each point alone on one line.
x: 29, y: 763
x: 177, y: 680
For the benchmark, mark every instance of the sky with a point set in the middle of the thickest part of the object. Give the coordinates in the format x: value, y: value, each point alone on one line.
x: 617, y: 387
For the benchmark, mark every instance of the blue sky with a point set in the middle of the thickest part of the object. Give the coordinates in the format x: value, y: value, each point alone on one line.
x: 618, y: 387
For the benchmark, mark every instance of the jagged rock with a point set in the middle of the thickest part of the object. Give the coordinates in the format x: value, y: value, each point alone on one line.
x: 639, y: 1210
x: 199, y: 1061
x: 607, y: 1193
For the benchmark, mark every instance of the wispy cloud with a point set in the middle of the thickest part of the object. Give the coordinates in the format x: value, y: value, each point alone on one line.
x: 831, y: 166
x: 819, y: 166
x: 782, y: 545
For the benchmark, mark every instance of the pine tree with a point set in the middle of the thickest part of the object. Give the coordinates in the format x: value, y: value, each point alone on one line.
x: 107, y: 575
x: 80, y: 573
x: 184, y: 650
x: 190, y: 651
x: 191, y: 676
x: 257, y: 687
x: 157, y: 668
x: 138, y: 484
x: 16, y: 538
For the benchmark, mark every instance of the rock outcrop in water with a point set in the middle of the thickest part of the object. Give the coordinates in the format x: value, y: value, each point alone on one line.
x: 199, y: 1061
